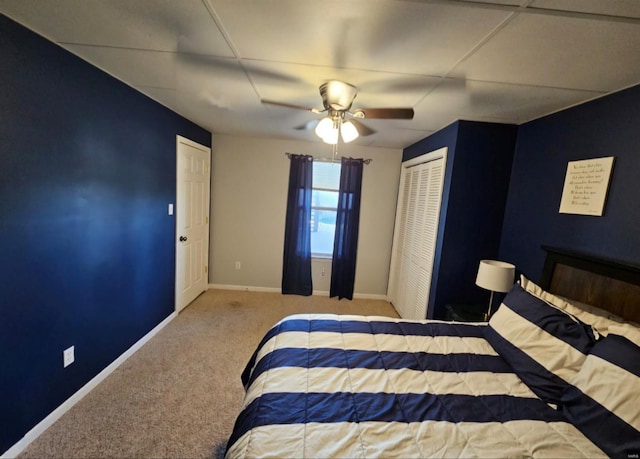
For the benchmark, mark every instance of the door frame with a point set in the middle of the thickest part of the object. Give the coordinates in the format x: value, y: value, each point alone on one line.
x: 180, y: 139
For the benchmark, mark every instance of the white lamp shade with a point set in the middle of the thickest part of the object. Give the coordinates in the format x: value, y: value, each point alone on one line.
x: 324, y: 127
x: 327, y: 130
x: 348, y: 131
x: 331, y: 137
x: 496, y: 276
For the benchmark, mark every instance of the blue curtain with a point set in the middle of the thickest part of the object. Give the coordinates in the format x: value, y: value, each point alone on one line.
x: 296, y: 266
x: 343, y: 268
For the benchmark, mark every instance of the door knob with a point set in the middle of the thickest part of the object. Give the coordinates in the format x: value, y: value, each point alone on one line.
x: 183, y: 238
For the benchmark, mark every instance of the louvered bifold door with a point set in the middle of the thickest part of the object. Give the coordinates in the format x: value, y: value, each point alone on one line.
x: 414, y: 243
x: 430, y: 196
x: 396, y: 289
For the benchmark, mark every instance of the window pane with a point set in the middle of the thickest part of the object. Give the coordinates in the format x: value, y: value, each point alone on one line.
x: 323, y: 226
x: 324, y: 199
x: 326, y: 175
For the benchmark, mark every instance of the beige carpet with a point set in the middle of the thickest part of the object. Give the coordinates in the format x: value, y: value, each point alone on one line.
x: 178, y: 396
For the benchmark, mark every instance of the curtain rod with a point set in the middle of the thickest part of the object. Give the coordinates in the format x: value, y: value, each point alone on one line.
x: 328, y: 160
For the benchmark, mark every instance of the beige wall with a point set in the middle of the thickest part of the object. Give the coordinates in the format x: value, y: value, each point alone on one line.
x: 248, y: 205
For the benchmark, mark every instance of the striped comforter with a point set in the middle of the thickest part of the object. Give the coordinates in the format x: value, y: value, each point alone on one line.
x: 356, y: 386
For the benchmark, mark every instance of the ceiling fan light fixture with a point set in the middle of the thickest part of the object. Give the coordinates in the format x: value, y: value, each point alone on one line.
x: 337, y: 99
x: 324, y: 127
x: 331, y: 137
x: 348, y: 131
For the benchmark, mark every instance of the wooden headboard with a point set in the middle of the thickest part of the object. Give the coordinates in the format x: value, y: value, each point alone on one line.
x: 604, y: 283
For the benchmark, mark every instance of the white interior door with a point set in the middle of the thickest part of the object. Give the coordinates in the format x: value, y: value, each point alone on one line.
x: 415, y: 234
x: 192, y: 220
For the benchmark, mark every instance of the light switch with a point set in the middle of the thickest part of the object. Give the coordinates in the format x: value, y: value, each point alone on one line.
x: 170, y: 209
x: 68, y: 356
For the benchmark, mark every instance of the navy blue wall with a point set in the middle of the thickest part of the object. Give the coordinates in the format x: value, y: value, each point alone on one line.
x: 609, y: 126
x: 475, y: 189
x: 87, y: 169
x: 446, y: 137
x: 477, y: 200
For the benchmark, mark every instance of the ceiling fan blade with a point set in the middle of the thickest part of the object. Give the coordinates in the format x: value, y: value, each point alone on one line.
x: 222, y: 65
x: 297, y: 107
x: 308, y: 126
x: 384, y: 113
x: 362, y: 128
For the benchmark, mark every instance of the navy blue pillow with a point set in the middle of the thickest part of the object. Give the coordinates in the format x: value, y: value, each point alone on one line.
x: 545, y: 346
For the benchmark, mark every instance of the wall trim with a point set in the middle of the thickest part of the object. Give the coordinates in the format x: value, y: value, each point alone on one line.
x: 56, y: 414
x: 370, y: 296
x: 246, y: 288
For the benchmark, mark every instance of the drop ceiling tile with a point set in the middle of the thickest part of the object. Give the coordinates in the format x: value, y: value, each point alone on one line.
x: 432, y: 120
x: 495, y: 101
x: 512, y: 67
x: 540, y: 102
x: 137, y: 68
x: 622, y: 8
x: 141, y: 24
x: 214, y: 115
x: 165, y: 96
x: 402, y: 37
x: 558, y: 52
x: 405, y: 137
x: 225, y: 91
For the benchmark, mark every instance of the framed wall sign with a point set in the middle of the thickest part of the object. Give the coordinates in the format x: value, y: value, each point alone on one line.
x: 586, y: 185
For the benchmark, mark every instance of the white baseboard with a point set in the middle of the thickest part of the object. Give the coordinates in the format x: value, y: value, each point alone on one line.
x: 364, y: 296
x: 370, y: 296
x: 245, y: 288
x: 84, y: 390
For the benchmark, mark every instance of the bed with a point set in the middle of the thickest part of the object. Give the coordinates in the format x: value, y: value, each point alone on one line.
x: 547, y: 376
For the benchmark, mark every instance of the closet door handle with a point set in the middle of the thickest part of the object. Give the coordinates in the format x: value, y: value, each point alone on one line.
x: 183, y: 238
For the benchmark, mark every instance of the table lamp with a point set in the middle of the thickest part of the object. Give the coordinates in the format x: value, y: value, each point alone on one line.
x: 495, y: 276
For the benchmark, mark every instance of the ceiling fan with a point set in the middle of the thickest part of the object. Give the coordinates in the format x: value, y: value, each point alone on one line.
x: 337, y: 99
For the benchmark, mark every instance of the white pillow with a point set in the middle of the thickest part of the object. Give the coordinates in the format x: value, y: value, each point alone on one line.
x: 598, y: 318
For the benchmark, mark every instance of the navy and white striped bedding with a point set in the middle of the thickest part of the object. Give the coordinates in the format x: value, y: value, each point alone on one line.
x: 590, y: 370
x: 356, y: 386
x: 543, y: 344
x: 603, y: 400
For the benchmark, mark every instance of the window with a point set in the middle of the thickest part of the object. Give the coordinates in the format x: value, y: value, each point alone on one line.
x: 324, y: 203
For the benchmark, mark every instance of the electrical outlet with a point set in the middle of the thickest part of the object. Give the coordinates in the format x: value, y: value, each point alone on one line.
x: 68, y: 356
x: 237, y: 265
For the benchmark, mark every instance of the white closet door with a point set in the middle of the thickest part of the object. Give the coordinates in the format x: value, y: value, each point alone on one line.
x: 399, y: 259
x: 415, y: 234
x: 431, y: 192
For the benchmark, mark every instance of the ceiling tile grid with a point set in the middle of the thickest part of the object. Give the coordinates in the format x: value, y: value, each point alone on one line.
x: 213, y: 61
